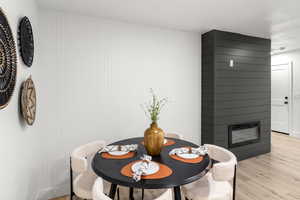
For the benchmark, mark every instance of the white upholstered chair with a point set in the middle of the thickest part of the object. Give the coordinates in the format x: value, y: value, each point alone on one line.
x: 98, y: 193
x: 216, y: 184
x: 167, y: 195
x: 80, y: 162
x: 174, y: 135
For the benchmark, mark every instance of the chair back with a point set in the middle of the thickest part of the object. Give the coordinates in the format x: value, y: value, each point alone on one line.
x: 224, y: 170
x: 81, y: 156
x: 98, y: 190
x: 174, y: 135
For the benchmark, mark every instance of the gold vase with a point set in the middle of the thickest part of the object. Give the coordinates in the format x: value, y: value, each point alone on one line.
x: 154, y: 139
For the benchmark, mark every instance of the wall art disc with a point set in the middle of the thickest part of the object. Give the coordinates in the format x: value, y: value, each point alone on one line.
x: 28, y: 101
x: 8, y: 62
x: 26, y: 41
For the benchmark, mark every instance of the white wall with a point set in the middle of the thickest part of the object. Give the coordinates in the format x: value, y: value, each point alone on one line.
x: 20, y: 146
x: 91, y: 75
x: 95, y: 73
x: 294, y: 57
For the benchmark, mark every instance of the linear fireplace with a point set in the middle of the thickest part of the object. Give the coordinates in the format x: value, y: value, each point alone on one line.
x: 243, y: 134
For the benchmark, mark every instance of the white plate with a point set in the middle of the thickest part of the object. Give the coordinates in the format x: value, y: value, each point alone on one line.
x: 188, y: 155
x: 118, y: 153
x: 153, y: 168
x: 165, y: 141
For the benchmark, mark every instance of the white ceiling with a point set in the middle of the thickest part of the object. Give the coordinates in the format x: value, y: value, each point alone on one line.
x: 275, y: 19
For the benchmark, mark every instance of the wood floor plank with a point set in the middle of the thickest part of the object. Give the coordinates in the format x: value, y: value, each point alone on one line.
x: 273, y: 176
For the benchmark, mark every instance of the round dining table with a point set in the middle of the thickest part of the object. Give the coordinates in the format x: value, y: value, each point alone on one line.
x: 183, y: 173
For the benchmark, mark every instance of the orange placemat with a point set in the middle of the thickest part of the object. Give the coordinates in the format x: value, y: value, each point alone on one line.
x: 108, y: 156
x: 196, y: 160
x: 164, y: 171
x: 169, y: 142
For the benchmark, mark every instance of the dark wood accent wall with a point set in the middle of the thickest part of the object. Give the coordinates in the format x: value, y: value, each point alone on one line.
x: 239, y: 94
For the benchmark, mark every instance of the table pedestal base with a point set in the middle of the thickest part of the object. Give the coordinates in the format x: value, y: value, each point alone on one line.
x: 131, y: 194
x: 177, y: 193
x: 113, y: 190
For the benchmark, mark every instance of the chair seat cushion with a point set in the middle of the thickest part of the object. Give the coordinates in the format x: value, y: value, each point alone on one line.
x: 83, y: 184
x: 208, y: 189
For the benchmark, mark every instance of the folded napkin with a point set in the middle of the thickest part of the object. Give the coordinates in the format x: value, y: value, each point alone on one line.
x: 143, y: 168
x: 201, y: 151
x: 127, y: 148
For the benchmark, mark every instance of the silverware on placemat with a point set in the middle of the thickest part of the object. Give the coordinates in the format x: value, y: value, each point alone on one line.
x: 200, y: 151
x: 143, y: 168
x: 125, y: 148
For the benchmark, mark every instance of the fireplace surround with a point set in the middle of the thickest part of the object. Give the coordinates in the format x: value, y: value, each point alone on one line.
x: 236, y: 93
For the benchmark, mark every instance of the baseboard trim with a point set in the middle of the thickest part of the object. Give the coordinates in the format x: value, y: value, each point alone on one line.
x: 296, y: 134
x: 53, y: 192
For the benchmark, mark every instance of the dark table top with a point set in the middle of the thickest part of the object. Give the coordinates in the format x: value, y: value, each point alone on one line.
x: 183, y: 173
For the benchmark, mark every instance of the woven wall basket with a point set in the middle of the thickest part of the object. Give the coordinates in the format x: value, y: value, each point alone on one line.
x: 28, y: 101
x: 8, y: 62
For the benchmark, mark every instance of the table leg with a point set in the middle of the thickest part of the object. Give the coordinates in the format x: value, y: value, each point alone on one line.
x: 118, y: 193
x: 112, y: 192
x: 131, y: 194
x: 177, y: 193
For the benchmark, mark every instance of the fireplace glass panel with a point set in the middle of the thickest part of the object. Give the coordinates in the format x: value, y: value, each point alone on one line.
x: 243, y: 134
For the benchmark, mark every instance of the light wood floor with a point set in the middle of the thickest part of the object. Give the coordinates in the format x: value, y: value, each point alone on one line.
x: 273, y: 176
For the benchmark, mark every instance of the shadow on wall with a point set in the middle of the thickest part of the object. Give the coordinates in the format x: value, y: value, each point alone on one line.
x: 20, y: 116
x: 59, y: 173
x: 33, y: 183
